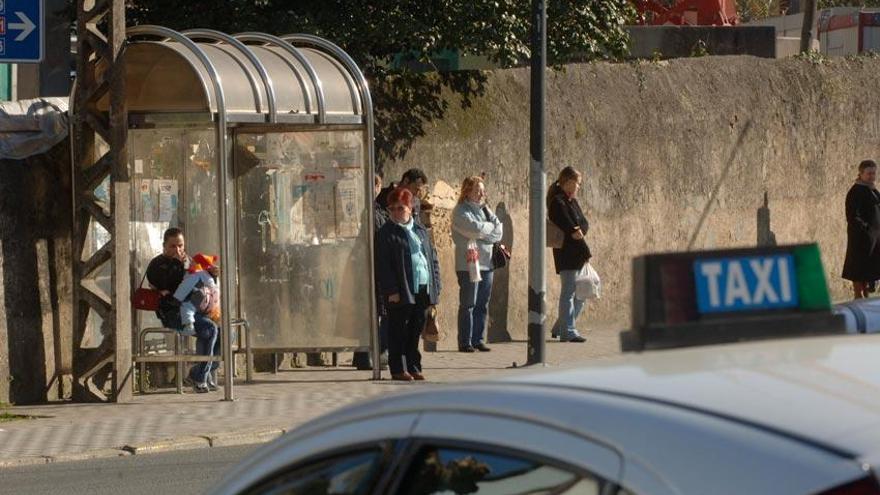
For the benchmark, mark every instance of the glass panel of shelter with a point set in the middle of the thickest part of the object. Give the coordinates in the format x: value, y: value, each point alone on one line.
x: 303, y: 238
x: 174, y: 174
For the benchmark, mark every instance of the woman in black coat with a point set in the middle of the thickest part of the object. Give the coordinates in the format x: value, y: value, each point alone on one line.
x: 862, y: 264
x: 408, y: 281
x: 565, y: 212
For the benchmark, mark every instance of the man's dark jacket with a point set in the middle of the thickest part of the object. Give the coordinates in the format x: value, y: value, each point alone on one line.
x: 165, y: 273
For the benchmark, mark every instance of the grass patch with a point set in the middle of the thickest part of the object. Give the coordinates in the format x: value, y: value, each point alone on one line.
x: 6, y: 416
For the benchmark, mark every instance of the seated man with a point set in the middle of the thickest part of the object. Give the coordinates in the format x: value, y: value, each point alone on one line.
x: 165, y: 273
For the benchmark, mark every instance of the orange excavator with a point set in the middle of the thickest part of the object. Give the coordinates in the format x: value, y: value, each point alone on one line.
x: 687, y: 12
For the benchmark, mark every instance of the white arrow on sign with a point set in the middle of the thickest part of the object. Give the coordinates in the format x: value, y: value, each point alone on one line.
x: 26, y: 26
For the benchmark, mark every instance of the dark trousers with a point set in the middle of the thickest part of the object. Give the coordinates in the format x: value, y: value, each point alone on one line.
x: 405, y: 324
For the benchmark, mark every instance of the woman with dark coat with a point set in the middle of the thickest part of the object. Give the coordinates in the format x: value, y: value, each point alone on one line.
x: 408, y: 281
x: 565, y: 212
x: 862, y: 264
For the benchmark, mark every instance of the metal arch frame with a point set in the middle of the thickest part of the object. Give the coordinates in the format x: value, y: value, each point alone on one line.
x: 213, y: 35
x: 367, y: 112
x: 222, y: 145
x: 353, y: 90
x: 300, y: 78
x: 268, y: 39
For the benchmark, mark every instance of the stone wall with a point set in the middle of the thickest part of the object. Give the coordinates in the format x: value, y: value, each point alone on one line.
x: 35, y: 277
x: 688, y: 154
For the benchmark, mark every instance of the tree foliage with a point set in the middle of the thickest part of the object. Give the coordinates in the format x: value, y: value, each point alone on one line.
x: 373, y: 31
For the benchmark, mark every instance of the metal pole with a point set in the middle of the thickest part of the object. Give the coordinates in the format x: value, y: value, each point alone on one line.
x: 537, y: 186
x: 807, y: 27
x: 225, y: 261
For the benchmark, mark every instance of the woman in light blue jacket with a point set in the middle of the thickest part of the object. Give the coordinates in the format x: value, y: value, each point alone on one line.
x: 472, y: 221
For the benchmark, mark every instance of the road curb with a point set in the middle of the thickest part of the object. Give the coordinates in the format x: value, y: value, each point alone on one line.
x: 89, y: 455
x: 24, y: 461
x: 168, y: 445
x: 232, y: 439
x: 227, y: 439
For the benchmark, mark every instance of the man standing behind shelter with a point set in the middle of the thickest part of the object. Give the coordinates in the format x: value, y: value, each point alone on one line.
x: 413, y: 179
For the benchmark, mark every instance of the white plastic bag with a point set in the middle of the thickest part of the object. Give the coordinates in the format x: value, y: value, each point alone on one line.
x: 473, y: 262
x: 588, y: 285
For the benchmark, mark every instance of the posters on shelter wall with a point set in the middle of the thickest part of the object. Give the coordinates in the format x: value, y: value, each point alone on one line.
x: 158, y: 200
x: 320, y: 205
x: 349, y: 202
x: 313, y: 189
x: 167, y: 199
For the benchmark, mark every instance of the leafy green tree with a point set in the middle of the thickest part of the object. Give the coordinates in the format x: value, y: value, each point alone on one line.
x: 374, y: 31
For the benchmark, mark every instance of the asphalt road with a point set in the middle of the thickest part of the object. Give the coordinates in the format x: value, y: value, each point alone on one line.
x: 179, y: 473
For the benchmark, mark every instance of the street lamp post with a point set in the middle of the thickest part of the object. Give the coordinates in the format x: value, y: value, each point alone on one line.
x: 537, y: 185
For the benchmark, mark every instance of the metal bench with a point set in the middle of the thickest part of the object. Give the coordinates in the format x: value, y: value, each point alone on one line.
x: 179, y: 356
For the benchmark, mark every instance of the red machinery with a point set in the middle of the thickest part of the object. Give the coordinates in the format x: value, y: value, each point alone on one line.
x: 688, y: 12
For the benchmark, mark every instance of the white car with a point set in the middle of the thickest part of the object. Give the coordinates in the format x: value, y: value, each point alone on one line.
x: 792, y: 416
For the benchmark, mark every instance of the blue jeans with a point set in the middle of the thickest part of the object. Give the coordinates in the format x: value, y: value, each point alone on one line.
x: 207, y: 344
x: 569, y: 306
x: 473, y: 305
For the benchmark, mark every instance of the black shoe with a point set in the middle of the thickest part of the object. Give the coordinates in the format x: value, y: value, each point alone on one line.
x: 362, y: 361
x: 200, y: 389
x: 466, y: 348
x: 576, y: 338
x: 482, y: 347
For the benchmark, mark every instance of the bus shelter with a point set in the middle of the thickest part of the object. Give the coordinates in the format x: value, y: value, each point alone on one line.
x: 261, y: 149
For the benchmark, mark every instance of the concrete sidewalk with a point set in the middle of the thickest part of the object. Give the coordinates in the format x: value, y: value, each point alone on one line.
x: 262, y: 411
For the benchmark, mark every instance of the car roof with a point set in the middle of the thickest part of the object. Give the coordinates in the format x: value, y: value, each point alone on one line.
x: 825, y: 390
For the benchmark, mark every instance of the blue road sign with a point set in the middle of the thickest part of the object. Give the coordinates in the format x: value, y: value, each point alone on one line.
x: 21, y: 31
x: 746, y: 284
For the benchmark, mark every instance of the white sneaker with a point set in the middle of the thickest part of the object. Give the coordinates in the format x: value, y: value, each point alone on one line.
x: 212, y: 380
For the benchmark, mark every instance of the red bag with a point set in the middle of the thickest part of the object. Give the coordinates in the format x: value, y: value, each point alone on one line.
x: 146, y: 299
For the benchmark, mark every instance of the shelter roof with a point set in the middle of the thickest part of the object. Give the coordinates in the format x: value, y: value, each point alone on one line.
x: 252, y: 77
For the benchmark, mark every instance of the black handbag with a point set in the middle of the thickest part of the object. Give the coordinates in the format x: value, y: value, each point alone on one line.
x: 500, y: 253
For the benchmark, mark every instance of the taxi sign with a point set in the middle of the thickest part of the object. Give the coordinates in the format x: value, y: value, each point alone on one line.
x: 709, y: 297
x: 745, y: 284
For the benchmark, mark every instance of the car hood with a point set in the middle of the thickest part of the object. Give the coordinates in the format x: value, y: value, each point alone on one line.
x: 825, y: 390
